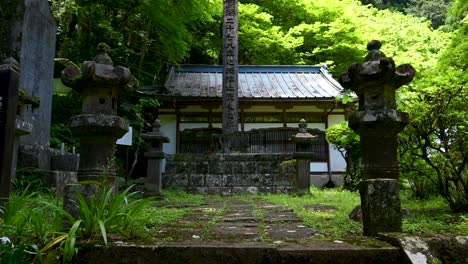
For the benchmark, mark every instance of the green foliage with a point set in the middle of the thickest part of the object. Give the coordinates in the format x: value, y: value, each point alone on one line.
x: 347, y: 142
x: 106, y: 213
x: 435, y: 144
x: 432, y: 10
x: 64, y: 106
x: 431, y: 216
x: 30, y: 220
x: 144, y: 35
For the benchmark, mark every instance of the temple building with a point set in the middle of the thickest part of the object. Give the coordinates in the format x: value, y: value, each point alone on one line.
x: 272, y: 100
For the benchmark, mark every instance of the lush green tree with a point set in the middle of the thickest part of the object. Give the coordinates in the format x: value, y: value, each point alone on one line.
x: 432, y: 10
x: 436, y: 142
x: 347, y: 142
x: 144, y: 34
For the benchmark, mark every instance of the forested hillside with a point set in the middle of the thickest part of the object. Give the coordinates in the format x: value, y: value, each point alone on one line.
x: 145, y: 35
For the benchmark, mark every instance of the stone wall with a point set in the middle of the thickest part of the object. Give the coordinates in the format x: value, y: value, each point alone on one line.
x: 227, y: 174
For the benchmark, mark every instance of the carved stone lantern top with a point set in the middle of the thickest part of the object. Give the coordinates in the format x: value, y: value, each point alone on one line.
x: 155, y: 135
x: 98, y: 72
x: 376, y: 80
x: 303, y: 136
x: 99, y: 82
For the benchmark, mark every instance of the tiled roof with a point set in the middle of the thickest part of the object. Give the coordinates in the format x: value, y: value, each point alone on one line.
x: 255, y: 82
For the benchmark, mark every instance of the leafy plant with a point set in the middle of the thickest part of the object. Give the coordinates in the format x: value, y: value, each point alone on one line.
x: 347, y: 142
x: 106, y: 212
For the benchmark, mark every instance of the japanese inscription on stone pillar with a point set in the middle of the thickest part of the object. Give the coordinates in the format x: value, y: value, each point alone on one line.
x: 230, y: 67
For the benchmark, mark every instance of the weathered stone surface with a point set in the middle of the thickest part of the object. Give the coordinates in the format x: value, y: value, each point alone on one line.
x: 380, y: 203
x: 32, y: 31
x: 236, y: 173
x: 378, y: 122
x: 8, y: 102
x: 449, y: 249
x: 65, y: 162
x: 155, y: 155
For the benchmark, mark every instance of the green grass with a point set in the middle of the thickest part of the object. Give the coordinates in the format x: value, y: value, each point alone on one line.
x: 332, y: 224
x: 432, y: 217
x: 33, y: 220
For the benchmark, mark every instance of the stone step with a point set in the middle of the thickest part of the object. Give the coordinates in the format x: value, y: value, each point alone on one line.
x: 226, y: 253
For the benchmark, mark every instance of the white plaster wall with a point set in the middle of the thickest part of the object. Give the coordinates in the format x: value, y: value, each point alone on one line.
x: 318, y: 167
x: 168, y: 128
x: 337, y: 162
x: 320, y: 126
x: 305, y: 108
x: 262, y: 108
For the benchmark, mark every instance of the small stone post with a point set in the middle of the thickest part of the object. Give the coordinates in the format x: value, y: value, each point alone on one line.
x: 303, y: 156
x: 378, y: 122
x: 98, y: 127
x: 155, y: 155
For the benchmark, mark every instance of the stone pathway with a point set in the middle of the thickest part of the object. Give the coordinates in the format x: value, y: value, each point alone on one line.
x: 240, y: 230
x: 249, y: 220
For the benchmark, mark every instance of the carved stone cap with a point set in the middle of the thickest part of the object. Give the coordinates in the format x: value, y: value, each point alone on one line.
x: 303, y: 136
x: 377, y: 70
x: 99, y: 72
x: 155, y: 135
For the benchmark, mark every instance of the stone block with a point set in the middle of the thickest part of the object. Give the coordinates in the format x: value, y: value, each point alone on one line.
x: 267, y: 180
x: 185, y: 167
x: 200, y: 190
x: 230, y: 180
x: 249, y: 167
x: 218, y: 190
x: 197, y: 180
x: 214, y: 180
x: 202, y: 168
x: 228, y: 167
x: 216, y: 167
x: 66, y: 162
x: 176, y: 180
x: 381, y: 209
x: 243, y: 180
x: 264, y: 167
x: 256, y: 180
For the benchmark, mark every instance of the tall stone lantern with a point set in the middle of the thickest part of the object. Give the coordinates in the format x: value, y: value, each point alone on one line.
x: 98, y: 127
x: 303, y: 156
x: 155, y: 155
x: 378, y: 122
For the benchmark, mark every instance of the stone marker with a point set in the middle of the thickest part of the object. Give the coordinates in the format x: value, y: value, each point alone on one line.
x: 378, y: 122
x: 98, y: 127
x: 9, y: 80
x: 28, y: 34
x: 230, y: 73
x: 155, y: 156
x: 303, y: 156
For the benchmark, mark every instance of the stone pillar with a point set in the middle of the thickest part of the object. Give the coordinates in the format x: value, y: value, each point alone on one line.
x: 155, y: 155
x: 28, y: 34
x: 230, y: 73
x: 12, y: 102
x: 98, y: 127
x: 303, y: 156
x: 378, y: 122
x: 9, y: 79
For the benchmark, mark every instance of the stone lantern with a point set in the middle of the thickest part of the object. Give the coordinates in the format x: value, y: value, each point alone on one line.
x: 98, y: 127
x: 155, y: 155
x: 303, y: 156
x: 378, y: 122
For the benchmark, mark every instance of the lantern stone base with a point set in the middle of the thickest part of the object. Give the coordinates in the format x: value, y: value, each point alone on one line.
x: 381, y: 209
